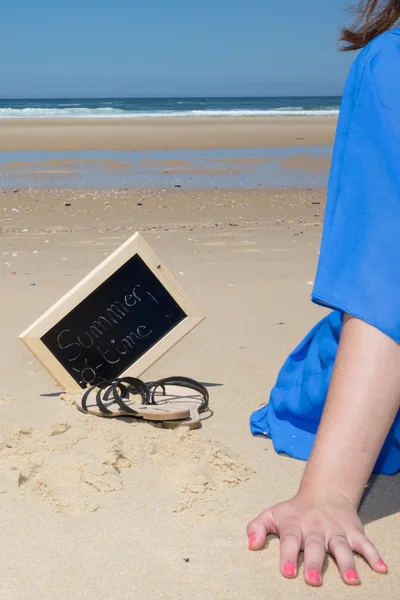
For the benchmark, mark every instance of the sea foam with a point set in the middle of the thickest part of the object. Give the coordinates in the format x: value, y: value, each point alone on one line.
x: 69, y: 111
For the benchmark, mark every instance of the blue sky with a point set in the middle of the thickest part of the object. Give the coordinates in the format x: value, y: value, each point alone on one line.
x: 89, y: 48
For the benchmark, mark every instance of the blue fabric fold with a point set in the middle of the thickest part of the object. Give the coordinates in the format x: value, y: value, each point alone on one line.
x: 292, y: 416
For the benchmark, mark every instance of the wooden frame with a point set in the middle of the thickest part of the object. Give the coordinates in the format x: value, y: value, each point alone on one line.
x: 31, y: 337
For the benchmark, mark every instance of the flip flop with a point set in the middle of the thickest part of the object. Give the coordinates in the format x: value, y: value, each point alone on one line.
x: 111, y: 397
x: 194, y: 420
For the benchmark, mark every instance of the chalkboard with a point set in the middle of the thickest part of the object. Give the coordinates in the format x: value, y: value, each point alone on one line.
x: 119, y: 320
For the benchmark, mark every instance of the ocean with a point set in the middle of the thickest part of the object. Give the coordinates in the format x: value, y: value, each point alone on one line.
x: 170, y: 107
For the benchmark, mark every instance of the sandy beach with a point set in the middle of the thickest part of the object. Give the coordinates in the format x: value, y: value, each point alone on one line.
x: 164, y: 133
x: 97, y: 509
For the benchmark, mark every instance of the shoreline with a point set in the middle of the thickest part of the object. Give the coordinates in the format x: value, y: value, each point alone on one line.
x: 169, y: 133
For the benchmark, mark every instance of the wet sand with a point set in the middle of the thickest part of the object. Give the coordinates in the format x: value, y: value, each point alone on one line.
x: 228, y: 168
x: 165, y: 133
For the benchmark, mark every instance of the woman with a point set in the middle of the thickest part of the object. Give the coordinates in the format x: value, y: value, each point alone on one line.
x: 359, y: 277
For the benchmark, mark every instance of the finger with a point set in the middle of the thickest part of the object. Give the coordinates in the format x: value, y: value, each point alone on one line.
x: 291, y: 540
x: 363, y: 546
x: 259, y: 529
x: 342, y: 552
x: 314, y: 558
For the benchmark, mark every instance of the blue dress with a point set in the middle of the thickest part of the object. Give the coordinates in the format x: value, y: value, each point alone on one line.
x: 359, y: 265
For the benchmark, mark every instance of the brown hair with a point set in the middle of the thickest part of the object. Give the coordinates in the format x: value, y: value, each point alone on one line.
x: 373, y: 18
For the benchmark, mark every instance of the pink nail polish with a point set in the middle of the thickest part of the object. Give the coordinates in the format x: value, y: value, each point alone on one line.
x: 252, y: 540
x: 314, y: 575
x: 382, y: 565
x: 352, y: 575
x: 289, y: 569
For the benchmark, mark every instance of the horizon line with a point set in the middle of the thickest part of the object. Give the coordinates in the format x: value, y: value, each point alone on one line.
x: 208, y: 97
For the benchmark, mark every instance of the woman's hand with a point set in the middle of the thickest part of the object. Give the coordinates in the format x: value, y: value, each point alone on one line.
x: 303, y: 524
x: 362, y: 403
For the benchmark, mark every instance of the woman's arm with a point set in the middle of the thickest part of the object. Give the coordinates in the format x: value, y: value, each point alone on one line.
x: 362, y: 403
x: 363, y: 400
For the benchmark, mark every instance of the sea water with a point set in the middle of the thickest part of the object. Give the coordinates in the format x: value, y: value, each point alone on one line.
x: 170, y: 107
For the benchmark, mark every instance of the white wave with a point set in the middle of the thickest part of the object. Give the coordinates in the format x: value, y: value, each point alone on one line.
x: 67, y: 113
x: 58, y: 112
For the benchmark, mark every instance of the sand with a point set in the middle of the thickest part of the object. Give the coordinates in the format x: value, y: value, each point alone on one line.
x: 95, y: 509
x: 162, y: 133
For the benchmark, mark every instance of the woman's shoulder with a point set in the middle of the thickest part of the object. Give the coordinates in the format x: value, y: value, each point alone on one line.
x: 386, y: 44
x: 378, y: 63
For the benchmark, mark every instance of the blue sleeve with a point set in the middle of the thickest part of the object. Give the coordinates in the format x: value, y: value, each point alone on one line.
x: 359, y: 265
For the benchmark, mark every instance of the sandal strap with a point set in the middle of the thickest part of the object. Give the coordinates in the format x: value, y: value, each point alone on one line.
x: 117, y: 388
x: 122, y: 387
x: 178, y: 381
